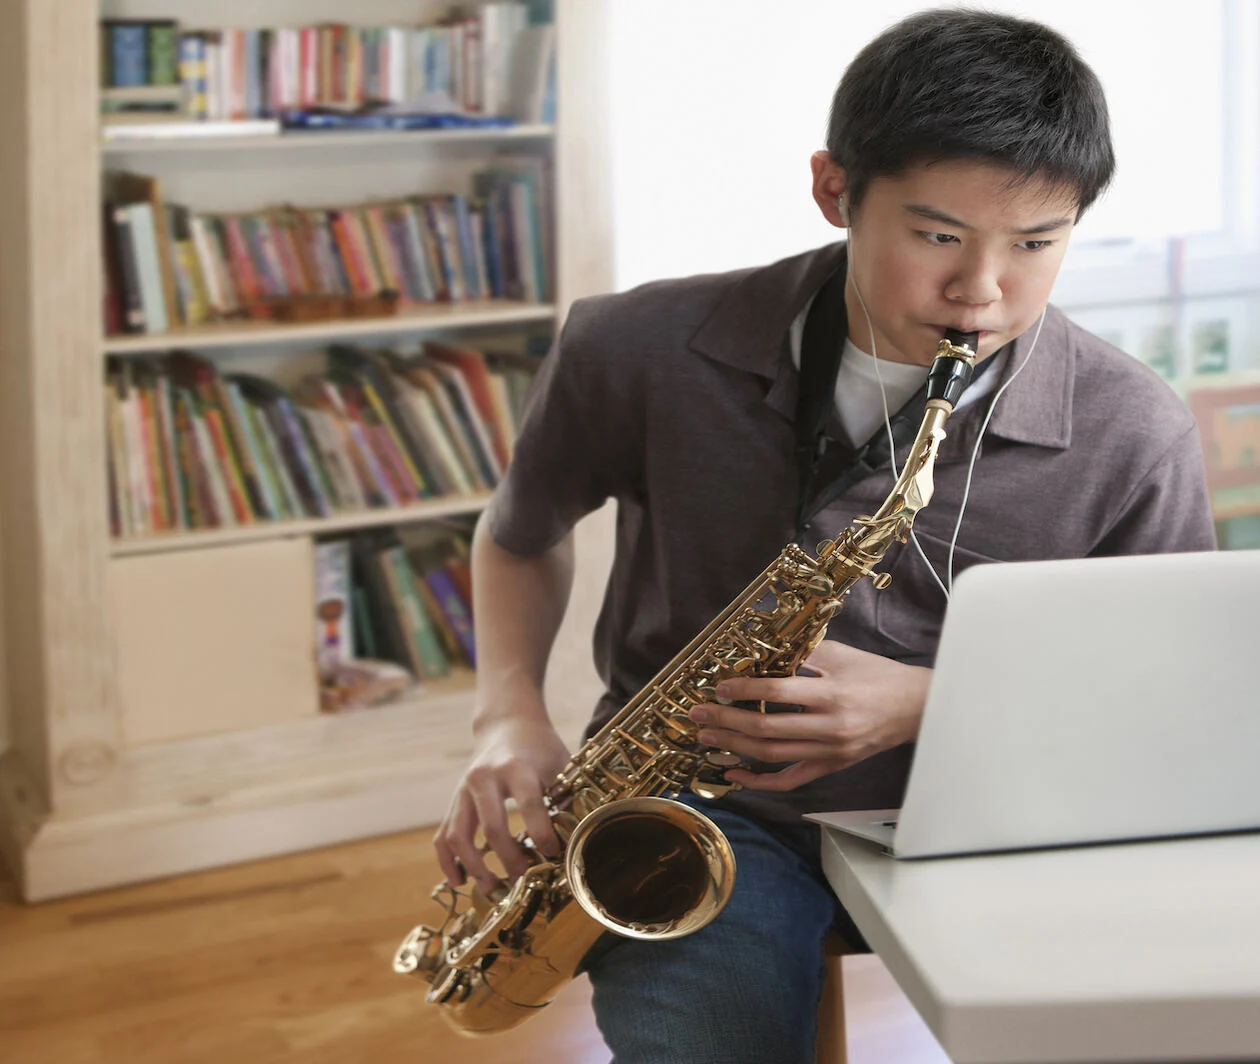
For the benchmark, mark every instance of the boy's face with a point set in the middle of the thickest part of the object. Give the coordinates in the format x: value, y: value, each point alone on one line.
x: 948, y: 245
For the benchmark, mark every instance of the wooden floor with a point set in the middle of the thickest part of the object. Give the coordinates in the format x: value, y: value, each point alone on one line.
x: 289, y: 960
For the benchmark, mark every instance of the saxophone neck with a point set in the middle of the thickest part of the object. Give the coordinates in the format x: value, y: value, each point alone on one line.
x: 914, y: 487
x: 951, y: 372
x: 870, y: 537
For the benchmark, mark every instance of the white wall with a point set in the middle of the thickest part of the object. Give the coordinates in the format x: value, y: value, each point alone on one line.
x: 718, y: 104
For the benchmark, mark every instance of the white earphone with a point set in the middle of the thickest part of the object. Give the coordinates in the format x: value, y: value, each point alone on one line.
x: 844, y: 211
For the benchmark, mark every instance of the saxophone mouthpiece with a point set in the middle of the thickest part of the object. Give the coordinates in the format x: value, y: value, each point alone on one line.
x: 952, y: 368
x: 969, y: 340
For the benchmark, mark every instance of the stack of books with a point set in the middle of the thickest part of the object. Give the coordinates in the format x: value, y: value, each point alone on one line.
x: 168, y: 266
x: 192, y: 448
x: 400, y: 596
x: 483, y: 60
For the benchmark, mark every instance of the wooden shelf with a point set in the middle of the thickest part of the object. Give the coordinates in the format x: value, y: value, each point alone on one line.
x: 285, y: 142
x: 471, y: 314
x: 160, y: 542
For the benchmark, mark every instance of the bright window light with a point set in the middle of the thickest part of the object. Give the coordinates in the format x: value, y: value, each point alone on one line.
x: 718, y: 104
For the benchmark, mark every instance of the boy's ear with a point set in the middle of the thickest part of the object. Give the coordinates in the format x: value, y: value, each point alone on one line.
x: 830, y: 186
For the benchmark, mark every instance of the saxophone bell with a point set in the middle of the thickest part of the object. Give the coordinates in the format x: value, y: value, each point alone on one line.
x: 650, y: 868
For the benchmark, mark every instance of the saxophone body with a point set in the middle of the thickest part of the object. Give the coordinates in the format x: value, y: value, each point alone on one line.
x: 633, y: 860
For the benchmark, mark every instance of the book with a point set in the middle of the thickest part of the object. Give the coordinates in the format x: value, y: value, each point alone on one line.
x: 122, y: 277
x: 141, y: 230
x: 130, y: 188
x: 325, y: 121
x: 227, y: 428
x: 534, y: 74
x: 388, y: 635
x: 424, y: 646
x: 125, y: 51
x: 379, y: 387
x: 193, y: 75
x: 334, y: 630
x: 438, y: 553
x: 472, y: 366
x: 162, y: 44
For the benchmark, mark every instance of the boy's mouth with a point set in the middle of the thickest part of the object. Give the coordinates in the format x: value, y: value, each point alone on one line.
x: 940, y: 330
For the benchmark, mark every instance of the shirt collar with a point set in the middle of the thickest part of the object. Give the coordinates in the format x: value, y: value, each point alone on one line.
x: 748, y: 329
x: 1037, y: 408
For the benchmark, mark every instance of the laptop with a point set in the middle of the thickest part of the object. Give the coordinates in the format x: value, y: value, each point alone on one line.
x: 1085, y: 701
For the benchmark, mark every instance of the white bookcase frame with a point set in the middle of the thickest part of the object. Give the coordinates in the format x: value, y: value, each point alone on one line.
x: 79, y: 810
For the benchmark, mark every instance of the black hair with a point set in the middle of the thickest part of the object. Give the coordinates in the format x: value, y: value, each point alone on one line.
x: 959, y: 84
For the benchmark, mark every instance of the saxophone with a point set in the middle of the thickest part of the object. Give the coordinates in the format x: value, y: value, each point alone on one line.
x: 633, y: 860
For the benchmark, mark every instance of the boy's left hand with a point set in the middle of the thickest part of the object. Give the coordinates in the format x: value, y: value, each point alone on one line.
x: 857, y: 705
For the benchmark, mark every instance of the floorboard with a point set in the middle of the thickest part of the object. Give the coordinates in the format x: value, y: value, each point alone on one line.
x: 289, y: 960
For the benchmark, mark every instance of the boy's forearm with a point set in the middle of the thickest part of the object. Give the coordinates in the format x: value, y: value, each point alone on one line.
x: 518, y: 604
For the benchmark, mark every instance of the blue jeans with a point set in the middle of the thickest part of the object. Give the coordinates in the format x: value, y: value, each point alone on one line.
x: 744, y: 989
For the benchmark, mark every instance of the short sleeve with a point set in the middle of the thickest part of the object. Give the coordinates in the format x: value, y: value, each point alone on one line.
x: 1169, y: 510
x: 579, y: 441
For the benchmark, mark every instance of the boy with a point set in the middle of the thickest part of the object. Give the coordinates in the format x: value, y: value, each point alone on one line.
x: 962, y: 149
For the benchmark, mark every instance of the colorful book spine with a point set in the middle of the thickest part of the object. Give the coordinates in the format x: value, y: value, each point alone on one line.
x: 267, y: 487
x: 424, y: 646
x: 128, y: 54
x: 446, y: 594
x: 266, y: 432
x: 192, y: 75
x: 162, y: 43
x: 144, y: 246
x: 334, y: 628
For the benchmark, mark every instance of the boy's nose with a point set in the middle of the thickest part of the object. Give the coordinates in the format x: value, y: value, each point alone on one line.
x: 976, y: 283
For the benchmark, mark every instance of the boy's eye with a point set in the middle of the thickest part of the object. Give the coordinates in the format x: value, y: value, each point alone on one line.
x: 939, y: 239
x: 1034, y: 245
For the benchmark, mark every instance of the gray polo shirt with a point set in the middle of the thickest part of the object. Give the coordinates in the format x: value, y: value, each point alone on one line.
x: 677, y: 399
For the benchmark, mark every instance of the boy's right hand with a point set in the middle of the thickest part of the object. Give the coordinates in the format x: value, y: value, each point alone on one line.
x: 515, y: 757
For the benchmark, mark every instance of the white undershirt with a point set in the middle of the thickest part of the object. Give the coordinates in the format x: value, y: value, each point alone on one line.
x: 858, y: 402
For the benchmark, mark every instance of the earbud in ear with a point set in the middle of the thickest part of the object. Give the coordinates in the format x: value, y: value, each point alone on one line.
x: 844, y: 211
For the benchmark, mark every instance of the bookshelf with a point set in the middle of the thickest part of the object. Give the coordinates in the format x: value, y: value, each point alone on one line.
x: 310, y: 142
x: 394, y: 515
x: 407, y: 320
x: 81, y: 807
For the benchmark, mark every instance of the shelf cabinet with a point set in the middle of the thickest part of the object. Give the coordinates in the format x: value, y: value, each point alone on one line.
x: 89, y: 797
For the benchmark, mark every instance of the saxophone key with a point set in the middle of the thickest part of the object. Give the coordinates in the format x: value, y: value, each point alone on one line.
x: 723, y: 758
x: 635, y: 741
x: 713, y: 788
x: 420, y: 952
x: 449, y: 990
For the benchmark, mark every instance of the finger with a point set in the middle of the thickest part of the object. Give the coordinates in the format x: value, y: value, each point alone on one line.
x: 452, y: 871
x: 524, y: 789
x: 786, y: 689
x: 773, y: 750
x: 831, y: 654
x: 458, y: 844
x: 763, y: 725
x: 787, y: 779
x: 492, y: 813
x: 460, y: 822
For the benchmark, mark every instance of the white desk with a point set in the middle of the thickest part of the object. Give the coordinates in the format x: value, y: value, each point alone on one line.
x: 1140, y: 952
